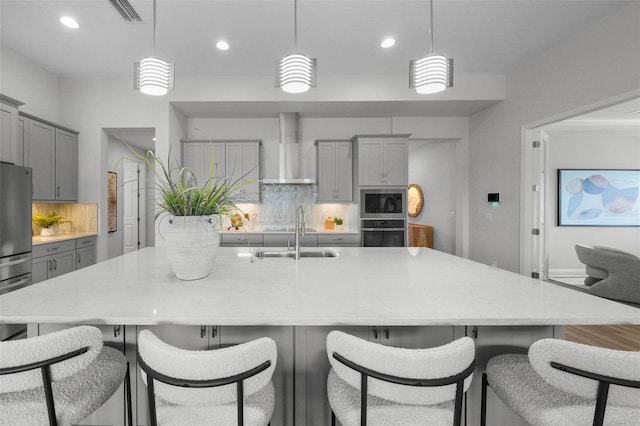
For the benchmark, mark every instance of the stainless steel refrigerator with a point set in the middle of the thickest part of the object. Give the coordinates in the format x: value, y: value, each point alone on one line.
x: 15, y: 234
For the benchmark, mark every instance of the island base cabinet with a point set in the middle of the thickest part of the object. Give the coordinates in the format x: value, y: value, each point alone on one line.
x: 112, y: 412
x: 312, y: 362
x: 492, y: 341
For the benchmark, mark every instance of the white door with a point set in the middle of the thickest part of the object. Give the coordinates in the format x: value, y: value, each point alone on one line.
x: 133, y: 211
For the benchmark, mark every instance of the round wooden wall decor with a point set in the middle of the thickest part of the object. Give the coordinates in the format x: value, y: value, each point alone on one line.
x: 415, y: 199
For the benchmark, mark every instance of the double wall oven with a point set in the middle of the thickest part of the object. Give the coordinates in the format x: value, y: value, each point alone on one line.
x: 383, y: 217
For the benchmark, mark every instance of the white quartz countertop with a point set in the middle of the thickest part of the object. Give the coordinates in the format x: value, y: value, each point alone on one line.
x: 37, y: 239
x: 362, y: 286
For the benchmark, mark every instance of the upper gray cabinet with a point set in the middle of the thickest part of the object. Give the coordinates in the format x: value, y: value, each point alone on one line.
x: 205, y: 159
x: 11, y: 149
x: 236, y: 160
x: 334, y: 171
x: 382, y: 160
x: 52, y: 153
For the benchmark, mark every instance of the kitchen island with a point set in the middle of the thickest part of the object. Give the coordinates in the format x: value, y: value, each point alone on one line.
x: 400, y: 296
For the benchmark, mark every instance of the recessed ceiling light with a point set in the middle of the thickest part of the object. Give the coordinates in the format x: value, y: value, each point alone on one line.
x: 387, y: 42
x: 68, y: 21
x: 222, y: 45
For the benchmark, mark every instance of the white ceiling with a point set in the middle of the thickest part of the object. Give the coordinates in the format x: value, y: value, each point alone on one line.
x: 483, y: 37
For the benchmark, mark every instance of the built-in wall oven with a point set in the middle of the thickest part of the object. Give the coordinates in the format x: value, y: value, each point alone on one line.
x: 383, y: 217
x: 383, y: 232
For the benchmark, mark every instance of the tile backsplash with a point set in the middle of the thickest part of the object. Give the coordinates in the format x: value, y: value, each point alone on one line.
x: 276, y: 212
x: 82, y: 217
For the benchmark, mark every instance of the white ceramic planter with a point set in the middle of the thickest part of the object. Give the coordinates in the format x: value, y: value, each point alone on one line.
x: 47, y: 232
x: 192, y: 243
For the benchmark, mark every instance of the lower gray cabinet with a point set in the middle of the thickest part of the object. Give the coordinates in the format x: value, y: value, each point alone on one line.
x: 338, y: 240
x: 85, y: 252
x: 289, y: 240
x: 241, y: 240
x: 52, y: 260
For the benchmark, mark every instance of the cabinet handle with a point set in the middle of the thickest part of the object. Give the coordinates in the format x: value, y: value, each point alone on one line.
x: 203, y: 331
x: 78, y: 257
x: 116, y: 330
x: 55, y: 264
x: 242, y: 239
x: 53, y: 248
x: 375, y: 333
x: 214, y: 331
x: 386, y: 333
x: 50, y: 263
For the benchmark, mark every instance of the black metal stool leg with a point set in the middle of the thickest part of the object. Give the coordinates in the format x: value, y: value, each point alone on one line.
x: 333, y: 418
x: 127, y: 394
x: 483, y: 406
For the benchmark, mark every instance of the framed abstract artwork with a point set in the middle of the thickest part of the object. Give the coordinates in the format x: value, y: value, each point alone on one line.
x: 112, y: 202
x: 598, y: 197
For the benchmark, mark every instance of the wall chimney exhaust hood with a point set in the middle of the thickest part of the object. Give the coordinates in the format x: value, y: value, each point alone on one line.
x: 289, y: 153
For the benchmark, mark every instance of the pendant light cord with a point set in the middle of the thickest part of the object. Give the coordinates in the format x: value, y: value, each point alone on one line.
x: 295, y: 26
x: 154, y: 28
x: 430, y: 27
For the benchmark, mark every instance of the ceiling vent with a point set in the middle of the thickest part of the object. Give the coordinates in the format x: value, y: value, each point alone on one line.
x: 127, y: 11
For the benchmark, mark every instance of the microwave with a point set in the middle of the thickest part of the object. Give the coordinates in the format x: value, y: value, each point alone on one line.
x: 383, y: 203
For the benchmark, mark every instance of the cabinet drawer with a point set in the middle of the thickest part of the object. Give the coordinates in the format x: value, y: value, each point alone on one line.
x: 53, y: 248
x: 289, y: 240
x: 86, y: 242
x: 338, y: 239
x: 241, y: 239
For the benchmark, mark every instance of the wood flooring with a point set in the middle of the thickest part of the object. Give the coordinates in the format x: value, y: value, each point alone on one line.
x: 620, y: 337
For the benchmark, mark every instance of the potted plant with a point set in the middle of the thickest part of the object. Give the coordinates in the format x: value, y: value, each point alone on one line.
x: 338, y: 221
x: 47, y: 222
x: 193, y: 212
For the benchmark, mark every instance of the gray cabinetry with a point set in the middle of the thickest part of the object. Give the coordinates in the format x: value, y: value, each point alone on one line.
x: 243, y: 164
x: 52, y: 153
x: 334, y: 171
x: 53, y: 259
x: 338, y: 240
x: 85, y: 252
x: 241, y: 240
x: 205, y: 159
x: 289, y: 240
x: 233, y: 159
x: 11, y: 150
x: 382, y: 160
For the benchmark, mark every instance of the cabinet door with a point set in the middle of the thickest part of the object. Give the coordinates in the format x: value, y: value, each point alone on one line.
x: 283, y: 374
x: 63, y: 263
x: 198, y: 157
x: 396, y: 162
x: 66, y: 159
x: 40, y: 269
x: 21, y: 142
x: 370, y: 164
x: 85, y: 256
x: 251, y: 171
x: 41, y: 149
x: 8, y: 142
x: 289, y: 240
x: 344, y: 171
x: 326, y: 152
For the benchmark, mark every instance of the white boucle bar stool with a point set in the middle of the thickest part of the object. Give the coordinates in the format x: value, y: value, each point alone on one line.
x: 395, y: 386
x: 563, y: 383
x: 226, y: 386
x: 59, y: 378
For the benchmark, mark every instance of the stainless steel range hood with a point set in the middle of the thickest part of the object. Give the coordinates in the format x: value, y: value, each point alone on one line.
x: 289, y: 153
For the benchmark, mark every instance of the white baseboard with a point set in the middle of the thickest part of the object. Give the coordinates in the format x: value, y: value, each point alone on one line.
x: 567, y: 273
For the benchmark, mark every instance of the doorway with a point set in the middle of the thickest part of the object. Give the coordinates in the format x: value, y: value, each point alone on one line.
x: 135, y: 195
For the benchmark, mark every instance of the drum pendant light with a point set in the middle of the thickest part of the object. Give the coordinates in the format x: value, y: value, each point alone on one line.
x: 296, y: 73
x: 434, y: 72
x: 153, y: 75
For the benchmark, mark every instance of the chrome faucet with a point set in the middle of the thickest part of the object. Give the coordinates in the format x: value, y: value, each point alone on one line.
x: 300, y: 225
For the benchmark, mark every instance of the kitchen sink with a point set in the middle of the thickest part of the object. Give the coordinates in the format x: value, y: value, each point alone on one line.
x: 263, y: 254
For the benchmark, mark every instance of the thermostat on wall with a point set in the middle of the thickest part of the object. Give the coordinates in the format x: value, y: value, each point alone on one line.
x: 493, y: 198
